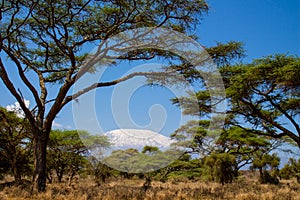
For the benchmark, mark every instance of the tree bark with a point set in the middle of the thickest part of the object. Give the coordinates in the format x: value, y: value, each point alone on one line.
x: 16, y: 172
x: 40, y: 151
x: 13, y: 160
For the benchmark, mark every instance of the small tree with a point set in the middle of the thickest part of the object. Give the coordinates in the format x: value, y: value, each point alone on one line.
x: 68, y: 152
x: 221, y: 166
x: 238, y: 142
x: 243, y: 144
x: 100, y: 171
x: 264, y: 162
x: 181, y: 169
x: 150, y: 150
x: 291, y: 169
x: 15, y: 144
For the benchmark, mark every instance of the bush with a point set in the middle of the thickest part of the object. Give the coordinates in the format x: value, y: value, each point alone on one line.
x: 221, y: 167
x: 290, y: 170
x: 268, y: 178
x: 100, y: 171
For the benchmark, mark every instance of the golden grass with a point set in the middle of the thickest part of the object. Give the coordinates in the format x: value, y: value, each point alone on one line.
x: 86, y: 189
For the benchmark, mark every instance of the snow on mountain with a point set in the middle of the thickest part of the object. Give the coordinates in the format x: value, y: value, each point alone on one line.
x: 137, y: 138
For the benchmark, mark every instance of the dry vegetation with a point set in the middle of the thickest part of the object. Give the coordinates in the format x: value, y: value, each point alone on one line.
x: 243, y: 189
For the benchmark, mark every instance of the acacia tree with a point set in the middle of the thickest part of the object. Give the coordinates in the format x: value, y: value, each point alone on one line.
x: 244, y: 145
x: 263, y: 98
x: 262, y: 162
x: 43, y: 41
x: 233, y: 142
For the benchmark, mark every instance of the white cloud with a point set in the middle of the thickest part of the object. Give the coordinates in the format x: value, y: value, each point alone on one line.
x: 60, y: 126
x: 16, y: 108
x: 57, y: 125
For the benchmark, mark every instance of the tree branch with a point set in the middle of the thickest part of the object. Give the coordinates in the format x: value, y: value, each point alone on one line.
x: 12, y: 89
x: 270, y: 134
x: 258, y: 112
x: 281, y: 110
x: 110, y: 83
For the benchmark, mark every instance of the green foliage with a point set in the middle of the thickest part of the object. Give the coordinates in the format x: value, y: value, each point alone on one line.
x: 150, y: 150
x: 264, y: 102
x: 243, y: 144
x: 15, y: 145
x: 240, y: 143
x: 260, y: 95
x: 265, y: 92
x: 226, y: 54
x: 133, y: 161
x: 223, y: 54
x: 291, y: 170
x: 220, y: 167
x: 67, y: 151
x: 265, y: 162
x: 183, y: 168
x: 100, y: 171
x: 193, y: 137
x: 238, y: 139
x: 51, y: 37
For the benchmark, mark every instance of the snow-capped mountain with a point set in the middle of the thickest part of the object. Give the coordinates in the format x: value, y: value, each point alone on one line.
x: 137, y: 139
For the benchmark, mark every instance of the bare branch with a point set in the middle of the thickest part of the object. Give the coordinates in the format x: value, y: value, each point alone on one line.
x: 110, y: 83
x: 270, y: 134
x: 279, y: 108
x: 22, y: 75
x: 12, y: 89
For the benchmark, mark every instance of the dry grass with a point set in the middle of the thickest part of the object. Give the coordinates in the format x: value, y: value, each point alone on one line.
x: 132, y: 189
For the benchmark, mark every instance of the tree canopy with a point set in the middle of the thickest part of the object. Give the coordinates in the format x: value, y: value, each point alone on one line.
x: 263, y: 97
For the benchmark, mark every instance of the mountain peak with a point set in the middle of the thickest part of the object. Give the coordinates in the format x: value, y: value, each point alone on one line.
x: 137, y: 138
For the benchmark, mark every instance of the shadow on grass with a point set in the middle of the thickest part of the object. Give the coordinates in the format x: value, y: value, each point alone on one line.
x: 23, y: 184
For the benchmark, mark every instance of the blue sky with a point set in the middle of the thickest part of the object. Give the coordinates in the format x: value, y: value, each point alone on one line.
x: 264, y: 26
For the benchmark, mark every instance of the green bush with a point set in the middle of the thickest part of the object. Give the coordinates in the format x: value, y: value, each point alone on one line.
x: 221, y: 167
x: 291, y: 170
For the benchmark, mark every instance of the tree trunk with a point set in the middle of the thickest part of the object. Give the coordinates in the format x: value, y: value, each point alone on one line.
x: 17, y: 175
x: 14, y: 168
x: 40, y: 150
x: 261, y: 175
